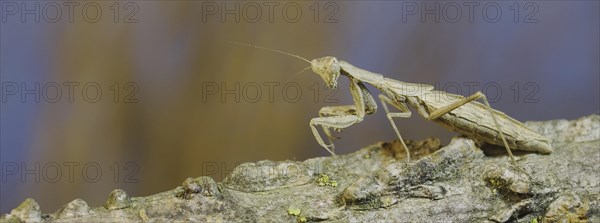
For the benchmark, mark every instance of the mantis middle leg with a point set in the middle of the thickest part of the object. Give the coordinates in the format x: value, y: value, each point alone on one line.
x: 404, y: 113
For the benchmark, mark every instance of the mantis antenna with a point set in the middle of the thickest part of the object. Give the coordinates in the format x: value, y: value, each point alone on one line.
x: 298, y: 73
x: 269, y: 49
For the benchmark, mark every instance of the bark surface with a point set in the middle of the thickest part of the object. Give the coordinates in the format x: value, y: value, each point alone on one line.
x: 459, y: 182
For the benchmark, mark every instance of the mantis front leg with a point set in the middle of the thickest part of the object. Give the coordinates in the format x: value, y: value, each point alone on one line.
x: 340, y: 117
x: 338, y: 122
x: 335, y: 111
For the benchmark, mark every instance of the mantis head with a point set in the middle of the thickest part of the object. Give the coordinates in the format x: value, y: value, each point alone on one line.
x: 328, y: 68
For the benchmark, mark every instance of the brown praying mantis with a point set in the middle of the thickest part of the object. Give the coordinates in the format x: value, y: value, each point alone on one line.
x: 455, y: 112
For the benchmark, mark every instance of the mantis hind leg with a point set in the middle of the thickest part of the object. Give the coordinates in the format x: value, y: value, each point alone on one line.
x: 404, y: 113
x: 448, y: 108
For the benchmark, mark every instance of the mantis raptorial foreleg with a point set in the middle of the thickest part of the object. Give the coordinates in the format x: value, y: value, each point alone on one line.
x: 338, y: 122
x: 335, y: 111
x: 448, y: 108
x: 405, y: 113
x: 340, y: 117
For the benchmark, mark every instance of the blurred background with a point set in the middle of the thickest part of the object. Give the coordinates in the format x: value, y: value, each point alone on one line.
x: 140, y: 95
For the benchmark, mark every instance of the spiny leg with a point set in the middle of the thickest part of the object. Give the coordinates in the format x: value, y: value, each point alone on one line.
x: 330, y: 138
x: 335, y: 111
x: 448, y: 108
x: 344, y: 116
x: 319, y: 139
x: 338, y: 122
x: 405, y: 113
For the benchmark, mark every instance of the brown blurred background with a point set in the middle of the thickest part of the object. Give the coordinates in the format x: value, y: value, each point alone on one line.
x: 163, y: 68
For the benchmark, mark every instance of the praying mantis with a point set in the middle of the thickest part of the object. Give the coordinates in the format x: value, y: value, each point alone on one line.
x: 457, y: 113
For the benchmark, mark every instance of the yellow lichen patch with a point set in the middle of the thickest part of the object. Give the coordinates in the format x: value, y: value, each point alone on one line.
x: 324, y: 180
x: 496, y: 183
x: 334, y: 183
x: 294, y: 211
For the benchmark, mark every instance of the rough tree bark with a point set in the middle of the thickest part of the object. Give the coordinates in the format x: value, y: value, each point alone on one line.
x: 455, y: 183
